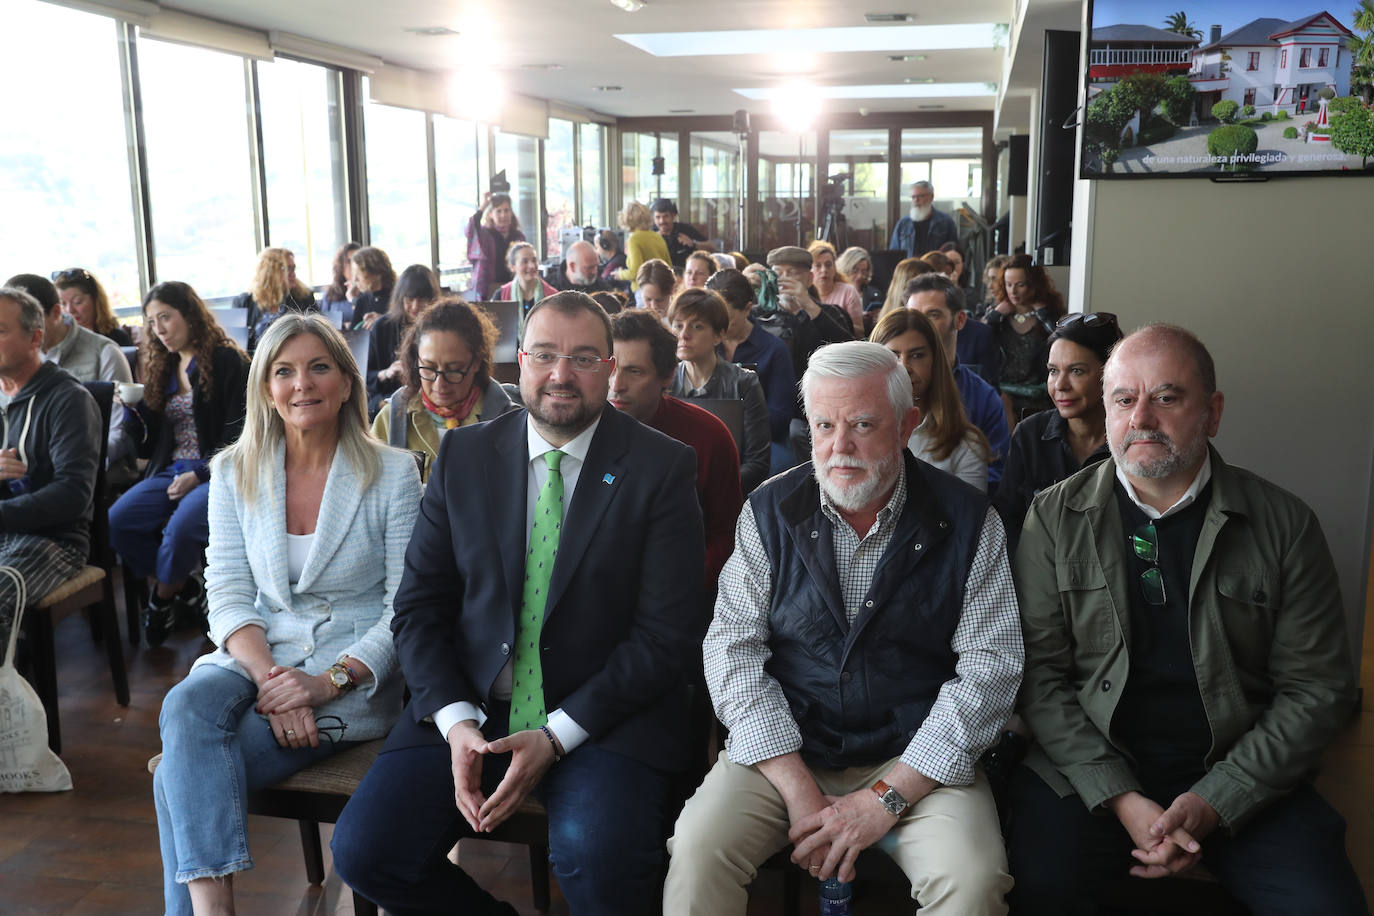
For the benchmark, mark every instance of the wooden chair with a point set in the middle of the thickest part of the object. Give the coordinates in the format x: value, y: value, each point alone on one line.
x: 91, y: 586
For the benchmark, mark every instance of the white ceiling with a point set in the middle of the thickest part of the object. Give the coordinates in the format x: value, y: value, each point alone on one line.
x: 578, y: 35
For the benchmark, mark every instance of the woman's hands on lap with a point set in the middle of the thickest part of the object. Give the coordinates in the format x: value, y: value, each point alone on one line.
x: 295, y: 728
x: 288, y: 689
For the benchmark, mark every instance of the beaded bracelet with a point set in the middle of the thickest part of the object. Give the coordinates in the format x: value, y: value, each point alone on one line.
x: 548, y: 734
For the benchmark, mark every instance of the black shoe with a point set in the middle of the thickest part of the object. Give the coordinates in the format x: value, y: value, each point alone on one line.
x: 159, y: 617
x: 193, y: 605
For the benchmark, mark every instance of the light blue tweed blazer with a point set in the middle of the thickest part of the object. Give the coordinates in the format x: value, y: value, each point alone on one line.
x: 342, y: 603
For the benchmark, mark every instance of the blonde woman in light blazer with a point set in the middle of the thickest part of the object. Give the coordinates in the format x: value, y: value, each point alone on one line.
x: 309, y: 521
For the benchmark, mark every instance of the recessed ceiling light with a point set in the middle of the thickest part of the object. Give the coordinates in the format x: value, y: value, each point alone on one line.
x: 432, y: 31
x: 541, y: 67
x: 901, y: 38
x: 888, y: 17
x: 929, y: 107
x: 919, y: 79
x: 629, y: 6
x: 681, y: 110
x: 884, y: 91
x: 605, y: 88
x: 905, y: 58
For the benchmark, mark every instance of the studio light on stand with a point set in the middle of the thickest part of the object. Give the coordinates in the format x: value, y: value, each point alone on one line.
x: 741, y: 131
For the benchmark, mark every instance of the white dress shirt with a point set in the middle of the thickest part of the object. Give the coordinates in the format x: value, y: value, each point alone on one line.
x: 567, y: 731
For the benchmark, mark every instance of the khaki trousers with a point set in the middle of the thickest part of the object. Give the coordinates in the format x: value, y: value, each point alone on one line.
x: 949, y: 844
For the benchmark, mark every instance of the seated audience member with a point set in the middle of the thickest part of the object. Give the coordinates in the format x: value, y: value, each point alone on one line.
x: 613, y: 302
x: 642, y: 243
x: 611, y: 256
x: 374, y: 278
x: 1054, y: 444
x: 943, y: 437
x: 414, y: 291
x: 956, y: 259
x: 1187, y: 663
x: 699, y: 317
x: 1021, y: 327
x: 446, y: 372
x: 726, y: 261
x: 275, y: 291
x: 698, y: 269
x: 991, y: 295
x: 856, y: 264
x: 341, y: 292
x: 645, y: 362
x: 834, y: 286
x: 490, y: 233
x: 528, y: 287
x: 580, y: 270
x: 907, y: 269
x: 612, y: 593
x: 193, y: 406
x: 830, y: 760
x: 48, y: 458
x: 88, y: 356
x: 746, y: 343
x: 681, y: 238
x: 809, y: 323
x: 942, y: 264
x: 934, y: 296
x: 300, y: 607
x: 654, y: 286
x: 86, y: 301
x: 978, y: 350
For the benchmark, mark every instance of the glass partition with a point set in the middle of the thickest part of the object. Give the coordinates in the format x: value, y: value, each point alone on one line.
x: 456, y: 153
x: 856, y: 190
x: 637, y: 154
x: 519, y: 157
x: 398, y: 183
x: 786, y: 187
x: 950, y: 158
x: 560, y: 197
x: 713, y: 207
x: 591, y: 142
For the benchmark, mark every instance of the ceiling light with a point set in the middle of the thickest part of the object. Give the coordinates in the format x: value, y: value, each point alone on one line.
x: 884, y: 91
x: 795, y: 105
x: 888, y: 17
x: 432, y: 31
x: 929, y: 107
x: 905, y: 58
x: 605, y: 88
x: 681, y: 110
x: 919, y: 79
x: 541, y: 67
x: 629, y: 6
x: 902, y: 38
x: 476, y: 93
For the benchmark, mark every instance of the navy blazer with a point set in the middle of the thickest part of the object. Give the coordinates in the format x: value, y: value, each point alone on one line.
x: 625, y: 613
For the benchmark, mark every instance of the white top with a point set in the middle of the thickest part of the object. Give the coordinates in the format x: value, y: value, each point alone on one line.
x: 963, y: 462
x: 568, y: 732
x: 297, y: 549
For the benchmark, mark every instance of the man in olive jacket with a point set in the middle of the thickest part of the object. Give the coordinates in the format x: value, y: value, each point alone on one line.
x: 1186, y: 663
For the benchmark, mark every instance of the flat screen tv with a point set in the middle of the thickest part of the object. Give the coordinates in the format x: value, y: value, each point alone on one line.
x: 1223, y: 88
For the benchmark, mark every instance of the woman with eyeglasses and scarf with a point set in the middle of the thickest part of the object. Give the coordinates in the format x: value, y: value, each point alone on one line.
x: 310, y: 517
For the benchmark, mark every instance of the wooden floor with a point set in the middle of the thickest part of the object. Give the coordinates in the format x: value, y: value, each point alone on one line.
x: 93, y: 851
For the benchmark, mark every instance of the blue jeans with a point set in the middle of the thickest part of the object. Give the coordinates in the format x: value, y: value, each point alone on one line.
x: 215, y: 750
x: 607, y: 825
x: 157, y: 535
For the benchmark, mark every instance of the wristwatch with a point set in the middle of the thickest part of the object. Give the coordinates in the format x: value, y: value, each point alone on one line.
x: 891, y: 799
x: 340, y: 676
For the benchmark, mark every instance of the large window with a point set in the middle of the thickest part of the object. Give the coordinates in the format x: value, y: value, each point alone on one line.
x: 398, y: 184
x: 199, y: 167
x: 715, y: 174
x: 519, y: 157
x: 591, y: 141
x: 786, y: 185
x: 64, y: 175
x: 637, y: 155
x: 560, y: 197
x: 950, y: 159
x: 302, y: 140
x: 861, y: 197
x: 458, y: 189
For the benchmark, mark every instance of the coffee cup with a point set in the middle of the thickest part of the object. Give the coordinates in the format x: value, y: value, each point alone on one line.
x: 130, y: 393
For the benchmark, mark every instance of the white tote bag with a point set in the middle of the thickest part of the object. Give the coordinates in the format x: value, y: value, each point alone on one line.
x: 27, y: 764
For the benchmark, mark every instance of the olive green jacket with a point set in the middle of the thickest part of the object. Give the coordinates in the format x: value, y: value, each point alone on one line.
x: 1266, y: 625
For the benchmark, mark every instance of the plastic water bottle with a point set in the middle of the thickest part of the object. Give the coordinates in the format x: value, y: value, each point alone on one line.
x: 836, y: 896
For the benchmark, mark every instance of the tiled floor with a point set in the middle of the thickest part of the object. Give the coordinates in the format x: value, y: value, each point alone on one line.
x: 94, y: 850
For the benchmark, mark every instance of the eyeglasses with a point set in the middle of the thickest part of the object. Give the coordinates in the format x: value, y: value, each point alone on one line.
x: 547, y: 359
x: 452, y: 376
x: 71, y: 275
x: 328, y: 731
x: 1090, y: 320
x: 1145, y: 542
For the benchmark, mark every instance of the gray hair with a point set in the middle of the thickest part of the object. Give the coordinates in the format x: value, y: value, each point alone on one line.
x: 850, y: 258
x: 859, y: 359
x: 923, y: 184
x: 30, y: 311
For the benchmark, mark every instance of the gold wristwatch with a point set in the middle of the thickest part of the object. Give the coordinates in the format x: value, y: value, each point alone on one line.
x: 341, y: 676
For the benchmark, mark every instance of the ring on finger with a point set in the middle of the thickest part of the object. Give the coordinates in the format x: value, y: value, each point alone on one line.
x: 290, y: 733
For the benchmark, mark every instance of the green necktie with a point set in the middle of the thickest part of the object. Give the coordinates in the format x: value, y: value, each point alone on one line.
x: 527, y: 680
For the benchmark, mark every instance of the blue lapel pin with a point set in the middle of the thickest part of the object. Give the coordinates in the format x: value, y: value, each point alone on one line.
x: 608, y: 479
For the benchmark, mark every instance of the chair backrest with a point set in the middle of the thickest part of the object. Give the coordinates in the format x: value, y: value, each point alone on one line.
x: 230, y: 317
x: 506, y: 316
x: 239, y: 334
x: 729, y: 411
x: 103, y: 392
x: 359, y: 340
x: 131, y: 354
x: 335, y: 316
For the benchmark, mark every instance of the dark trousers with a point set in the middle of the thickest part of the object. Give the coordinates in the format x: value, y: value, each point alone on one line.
x: 159, y: 536
x: 1290, y: 859
x: 606, y: 827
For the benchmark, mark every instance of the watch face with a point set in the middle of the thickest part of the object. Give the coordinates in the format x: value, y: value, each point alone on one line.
x: 339, y: 678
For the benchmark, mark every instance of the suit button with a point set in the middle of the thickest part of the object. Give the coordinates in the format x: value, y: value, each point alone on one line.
x: 309, y: 648
x: 944, y: 525
x: 1106, y: 686
x: 918, y: 547
x: 868, y: 604
x: 815, y: 534
x: 845, y: 677
x: 505, y: 648
x: 1260, y: 596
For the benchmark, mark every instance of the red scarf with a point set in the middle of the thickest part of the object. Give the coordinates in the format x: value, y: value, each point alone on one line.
x: 452, y: 416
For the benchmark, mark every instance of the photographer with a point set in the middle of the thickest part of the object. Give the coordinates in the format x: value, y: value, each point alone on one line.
x: 491, y: 231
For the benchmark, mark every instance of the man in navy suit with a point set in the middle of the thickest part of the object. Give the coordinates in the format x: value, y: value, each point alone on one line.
x: 545, y: 652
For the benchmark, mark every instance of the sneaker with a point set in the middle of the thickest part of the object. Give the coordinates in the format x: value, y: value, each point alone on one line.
x: 159, y: 617
x: 193, y: 604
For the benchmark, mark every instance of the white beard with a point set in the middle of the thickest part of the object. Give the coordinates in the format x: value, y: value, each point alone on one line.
x: 921, y: 214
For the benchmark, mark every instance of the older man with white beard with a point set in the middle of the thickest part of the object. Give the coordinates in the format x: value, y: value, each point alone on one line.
x: 924, y: 228
x: 1186, y: 663
x: 865, y: 651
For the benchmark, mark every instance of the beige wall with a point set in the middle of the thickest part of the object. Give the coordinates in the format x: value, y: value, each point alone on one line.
x: 1277, y: 279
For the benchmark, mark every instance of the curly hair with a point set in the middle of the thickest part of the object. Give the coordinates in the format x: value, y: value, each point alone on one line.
x: 156, y: 364
x: 269, y: 286
x: 374, y: 261
x: 635, y: 216
x: 473, y: 326
x: 338, y: 289
x: 77, y: 278
x: 1039, y: 287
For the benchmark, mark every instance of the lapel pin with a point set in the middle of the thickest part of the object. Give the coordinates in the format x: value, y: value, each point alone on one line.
x: 608, y: 479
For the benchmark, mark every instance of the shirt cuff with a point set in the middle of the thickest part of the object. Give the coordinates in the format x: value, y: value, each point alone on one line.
x: 568, y: 732
x: 450, y: 715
